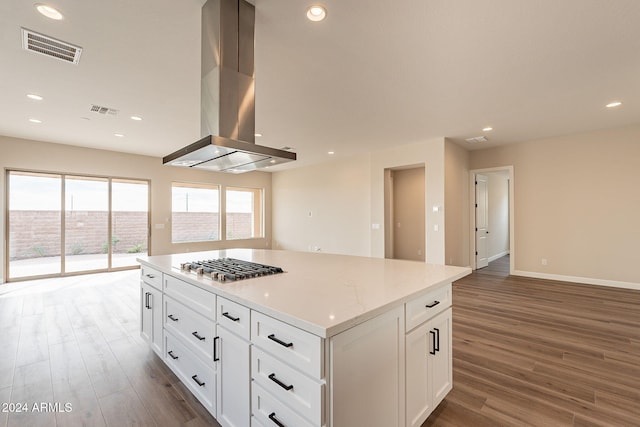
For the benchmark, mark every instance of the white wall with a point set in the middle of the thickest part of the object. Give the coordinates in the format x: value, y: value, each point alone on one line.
x: 498, y: 238
x: 323, y: 207
x: 46, y: 157
x: 456, y: 205
x: 349, y: 196
x: 577, y: 200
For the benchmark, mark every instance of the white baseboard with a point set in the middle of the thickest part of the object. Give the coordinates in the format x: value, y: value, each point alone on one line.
x: 500, y: 255
x: 575, y: 279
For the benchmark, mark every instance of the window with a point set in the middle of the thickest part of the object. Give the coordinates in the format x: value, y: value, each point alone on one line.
x: 244, y: 213
x: 195, y: 213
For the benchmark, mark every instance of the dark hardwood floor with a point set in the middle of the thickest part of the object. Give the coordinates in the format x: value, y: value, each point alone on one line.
x: 526, y: 352
x: 543, y: 353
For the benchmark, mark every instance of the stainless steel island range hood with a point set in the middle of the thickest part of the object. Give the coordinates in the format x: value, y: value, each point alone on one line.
x: 227, y: 96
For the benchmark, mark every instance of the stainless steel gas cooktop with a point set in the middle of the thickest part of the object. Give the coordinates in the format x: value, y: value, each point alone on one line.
x: 224, y: 269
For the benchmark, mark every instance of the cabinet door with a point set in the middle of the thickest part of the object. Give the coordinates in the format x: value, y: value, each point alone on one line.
x: 368, y: 373
x: 151, y: 317
x: 418, y: 391
x: 441, y: 369
x: 146, y: 314
x: 234, y: 382
x: 429, y: 374
x: 157, y: 339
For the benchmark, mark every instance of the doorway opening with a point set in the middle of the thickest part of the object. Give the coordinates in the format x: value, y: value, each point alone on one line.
x: 492, y: 233
x: 404, y: 212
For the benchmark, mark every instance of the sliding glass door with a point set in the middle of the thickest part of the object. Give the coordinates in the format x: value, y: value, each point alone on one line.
x: 35, y: 224
x: 86, y: 224
x: 64, y: 224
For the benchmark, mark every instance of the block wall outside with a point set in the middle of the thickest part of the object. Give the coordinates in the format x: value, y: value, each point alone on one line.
x: 38, y: 233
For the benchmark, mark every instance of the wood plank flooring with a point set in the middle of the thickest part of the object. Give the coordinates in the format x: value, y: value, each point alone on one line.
x: 542, y: 353
x: 76, y: 341
x: 526, y: 352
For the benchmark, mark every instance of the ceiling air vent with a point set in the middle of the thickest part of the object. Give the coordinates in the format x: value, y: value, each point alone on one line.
x: 103, y: 110
x: 476, y: 139
x: 48, y: 46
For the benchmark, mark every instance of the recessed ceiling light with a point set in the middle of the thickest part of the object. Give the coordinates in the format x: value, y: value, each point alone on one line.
x: 49, y: 11
x: 331, y: 152
x: 272, y: 161
x: 487, y: 129
x: 614, y: 104
x: 119, y: 135
x: 35, y: 121
x: 136, y: 118
x: 257, y: 135
x: 34, y: 97
x: 316, y: 13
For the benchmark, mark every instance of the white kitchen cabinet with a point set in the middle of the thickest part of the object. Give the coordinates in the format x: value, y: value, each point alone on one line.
x: 291, y: 351
x: 234, y: 380
x: 428, y: 366
x: 196, y: 374
x: 287, y: 372
x: 368, y: 373
x: 151, y: 315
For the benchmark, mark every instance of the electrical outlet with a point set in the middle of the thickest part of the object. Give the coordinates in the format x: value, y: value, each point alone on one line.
x: 543, y: 261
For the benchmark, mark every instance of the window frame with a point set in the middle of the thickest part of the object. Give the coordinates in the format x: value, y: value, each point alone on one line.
x: 258, y: 214
x: 202, y: 186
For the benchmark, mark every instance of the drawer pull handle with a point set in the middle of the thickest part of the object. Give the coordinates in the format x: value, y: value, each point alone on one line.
x: 228, y: 316
x: 433, y: 336
x: 437, y: 341
x: 272, y: 337
x: 215, y: 350
x: 273, y: 378
x: 195, y: 334
x: 175, y: 319
x: 272, y: 417
x: 172, y: 356
x: 433, y: 304
x: 151, y: 276
x: 195, y: 378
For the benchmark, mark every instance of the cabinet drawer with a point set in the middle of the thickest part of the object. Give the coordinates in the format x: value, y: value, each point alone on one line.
x: 425, y: 307
x: 193, y: 328
x: 151, y: 276
x: 296, y: 390
x: 192, y: 296
x: 270, y: 412
x: 235, y: 317
x: 298, y: 348
x: 196, y: 375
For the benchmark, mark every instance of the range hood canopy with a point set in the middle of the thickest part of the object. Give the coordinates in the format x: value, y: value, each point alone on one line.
x: 227, y: 100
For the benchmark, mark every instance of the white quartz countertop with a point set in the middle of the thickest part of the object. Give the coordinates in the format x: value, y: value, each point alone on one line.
x: 323, y: 294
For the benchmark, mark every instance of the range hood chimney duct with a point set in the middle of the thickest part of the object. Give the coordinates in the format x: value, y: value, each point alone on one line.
x: 227, y: 95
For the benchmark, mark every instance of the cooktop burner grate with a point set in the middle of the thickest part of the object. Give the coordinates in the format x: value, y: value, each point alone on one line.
x: 224, y: 269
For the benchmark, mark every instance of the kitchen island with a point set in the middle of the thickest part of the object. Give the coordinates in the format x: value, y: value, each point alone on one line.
x: 334, y: 340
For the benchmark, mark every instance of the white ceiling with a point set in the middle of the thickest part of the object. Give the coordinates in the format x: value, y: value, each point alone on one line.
x: 374, y: 73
